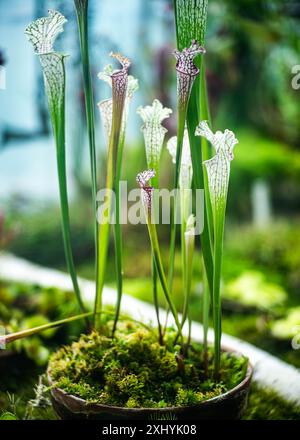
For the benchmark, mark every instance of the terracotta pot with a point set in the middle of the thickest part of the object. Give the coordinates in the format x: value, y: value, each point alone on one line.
x: 227, y: 406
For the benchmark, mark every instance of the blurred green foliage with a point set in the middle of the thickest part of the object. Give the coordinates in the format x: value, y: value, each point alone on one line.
x: 289, y: 326
x: 253, y: 290
x: 274, y: 249
x: 38, y: 234
x: 252, y: 46
x: 25, y: 306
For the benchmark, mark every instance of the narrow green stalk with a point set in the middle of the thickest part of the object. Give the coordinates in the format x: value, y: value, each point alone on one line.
x: 205, y: 318
x: 161, y: 273
x: 218, y: 253
x: 180, y: 133
x: 190, y: 21
x: 58, y: 122
x: 118, y: 235
x: 187, y: 254
x: 32, y: 331
x: 154, y: 134
x: 154, y: 270
x: 42, y: 34
x: 119, y: 87
x: 204, y: 115
x: 103, y: 234
x: 7, y: 339
x: 155, y: 300
x: 189, y: 333
x: 185, y: 268
x: 81, y: 7
x: 199, y: 180
x: 187, y: 71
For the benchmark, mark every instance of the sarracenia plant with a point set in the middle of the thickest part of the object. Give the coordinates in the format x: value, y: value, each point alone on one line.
x: 190, y: 22
x: 154, y: 134
x: 42, y: 34
x: 218, y: 171
x: 188, y: 153
x: 187, y: 72
x: 81, y: 7
x: 106, y: 113
x: 147, y: 192
x: 119, y: 83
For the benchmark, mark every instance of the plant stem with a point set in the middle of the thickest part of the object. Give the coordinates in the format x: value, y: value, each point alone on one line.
x: 7, y: 339
x: 155, y: 299
x: 103, y: 233
x: 190, y: 21
x: 187, y: 252
x: 204, y: 115
x: 219, y: 220
x: 32, y: 331
x: 161, y: 273
x: 180, y: 134
x: 205, y: 318
x: 61, y: 166
x: 198, y: 175
x: 103, y: 236
x: 182, y: 109
x: 82, y: 20
x: 184, y: 265
x: 118, y: 234
x: 155, y: 184
x: 57, y: 113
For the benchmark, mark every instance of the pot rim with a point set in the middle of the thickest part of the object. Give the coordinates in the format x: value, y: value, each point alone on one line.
x: 95, y: 407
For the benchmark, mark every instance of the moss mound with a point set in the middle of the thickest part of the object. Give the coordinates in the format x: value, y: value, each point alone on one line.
x: 133, y: 370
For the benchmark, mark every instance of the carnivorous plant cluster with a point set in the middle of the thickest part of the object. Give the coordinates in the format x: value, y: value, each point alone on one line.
x: 190, y: 151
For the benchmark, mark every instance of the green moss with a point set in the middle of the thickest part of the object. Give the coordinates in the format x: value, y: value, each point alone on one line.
x: 133, y: 370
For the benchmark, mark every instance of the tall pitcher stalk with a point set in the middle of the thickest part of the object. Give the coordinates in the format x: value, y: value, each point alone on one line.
x: 143, y: 179
x: 190, y: 22
x: 42, y: 34
x: 106, y: 113
x: 154, y: 134
x: 218, y: 172
x: 119, y: 81
x: 81, y: 7
x: 186, y: 75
